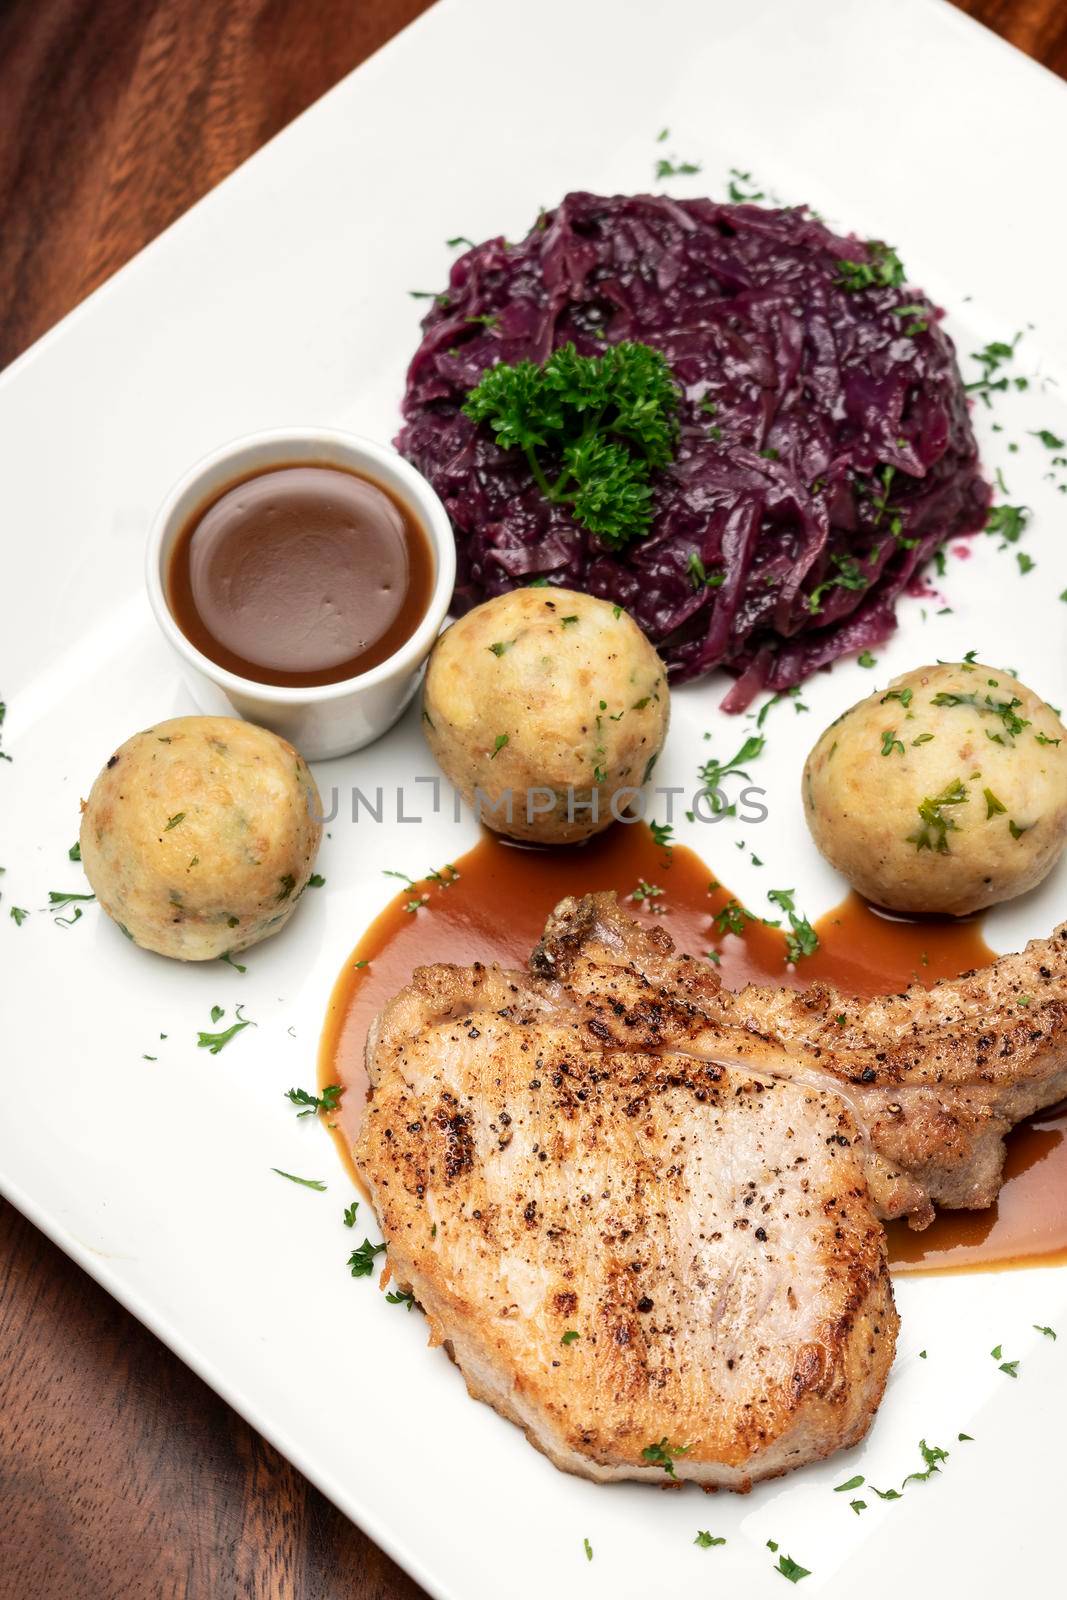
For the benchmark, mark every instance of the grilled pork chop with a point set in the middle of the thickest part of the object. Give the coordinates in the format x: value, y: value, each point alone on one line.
x: 614, y: 1147
x: 934, y: 1078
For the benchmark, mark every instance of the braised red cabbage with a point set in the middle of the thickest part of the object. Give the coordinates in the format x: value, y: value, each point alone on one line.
x: 825, y: 449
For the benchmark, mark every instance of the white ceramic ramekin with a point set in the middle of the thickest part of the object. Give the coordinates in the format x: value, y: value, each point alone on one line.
x: 333, y: 718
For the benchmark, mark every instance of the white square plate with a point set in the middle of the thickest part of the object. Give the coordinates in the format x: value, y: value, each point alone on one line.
x: 281, y: 299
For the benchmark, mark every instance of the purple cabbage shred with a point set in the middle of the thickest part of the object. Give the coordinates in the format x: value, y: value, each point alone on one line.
x: 825, y: 448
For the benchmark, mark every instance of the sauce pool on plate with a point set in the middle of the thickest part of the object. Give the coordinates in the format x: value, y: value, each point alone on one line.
x: 300, y: 576
x: 491, y: 904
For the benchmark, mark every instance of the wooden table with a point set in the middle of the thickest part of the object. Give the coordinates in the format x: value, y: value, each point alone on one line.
x: 121, y: 1474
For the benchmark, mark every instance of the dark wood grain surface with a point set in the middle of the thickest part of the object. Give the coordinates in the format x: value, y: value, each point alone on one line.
x: 121, y: 1474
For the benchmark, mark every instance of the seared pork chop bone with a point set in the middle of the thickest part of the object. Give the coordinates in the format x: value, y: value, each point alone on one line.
x: 614, y: 1148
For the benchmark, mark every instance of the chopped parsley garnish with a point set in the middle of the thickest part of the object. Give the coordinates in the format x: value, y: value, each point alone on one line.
x: 905, y: 697
x: 735, y: 191
x: 846, y: 575
x: 361, y: 1261
x: 700, y: 577
x: 1049, y: 440
x: 645, y: 891
x: 1043, y: 738
x: 679, y: 169
x: 775, y: 700
x: 932, y: 1455
x: 865, y: 659
x: 498, y: 744
x: 401, y: 1297
x: 850, y: 1483
x: 991, y: 359
x: 661, y: 833
x: 986, y: 706
x: 919, y: 315
x: 707, y: 1540
x: 890, y: 742
x: 993, y: 806
x: 600, y: 424
x: 858, y: 1506
x: 286, y: 885
x: 75, y: 851
x: 349, y: 1215
x: 316, y: 880
x: 18, y: 915
x: 664, y: 1454
x: 1026, y: 562
x: 308, y: 1183
x: 732, y: 918
x: 458, y: 239
x: 570, y: 1337
x: 58, y: 897
x: 882, y: 270
x: 499, y: 647
x: 216, y: 1041
x: 1007, y: 522
x: 936, y: 823
x: 801, y: 939
x: 792, y: 1569
x: 1010, y: 1367
x: 1050, y: 1333
x: 217, y: 1013
x: 328, y: 1100
x: 227, y: 956
x: 172, y: 822
x: 588, y: 1548
x: 444, y: 878
x: 713, y: 771
x: 1015, y: 830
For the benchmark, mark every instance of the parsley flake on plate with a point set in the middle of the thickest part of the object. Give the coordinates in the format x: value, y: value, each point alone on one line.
x: 328, y: 1100
x: 932, y: 1455
x: 361, y: 1261
x: 791, y: 1569
x: 307, y: 1183
x: 801, y: 939
x: 217, y: 1041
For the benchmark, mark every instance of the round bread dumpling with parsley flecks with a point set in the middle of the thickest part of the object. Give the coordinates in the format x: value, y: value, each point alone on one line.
x: 200, y: 834
x: 945, y: 792
x: 547, y: 709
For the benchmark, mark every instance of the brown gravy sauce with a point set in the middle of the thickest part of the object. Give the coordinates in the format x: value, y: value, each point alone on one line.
x: 301, y: 575
x: 495, y: 911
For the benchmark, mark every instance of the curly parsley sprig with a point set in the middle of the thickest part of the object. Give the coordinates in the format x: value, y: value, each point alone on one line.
x: 592, y: 429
